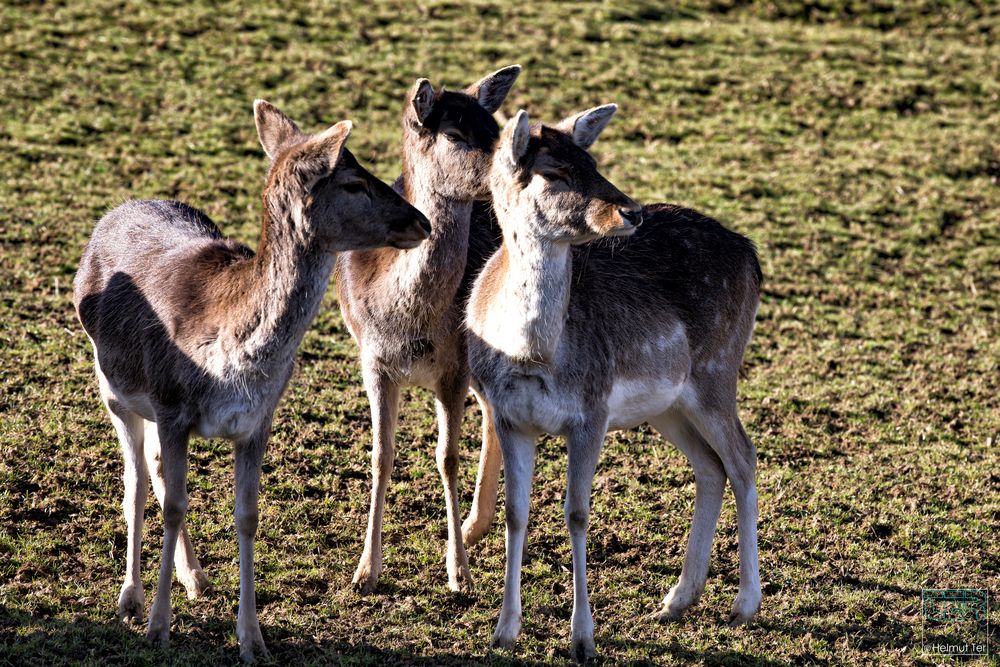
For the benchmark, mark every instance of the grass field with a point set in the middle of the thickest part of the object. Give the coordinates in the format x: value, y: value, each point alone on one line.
x: 858, y: 144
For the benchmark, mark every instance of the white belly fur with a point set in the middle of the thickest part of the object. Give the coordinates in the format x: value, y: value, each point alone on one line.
x: 137, y: 403
x: 423, y: 374
x: 234, y: 419
x: 526, y: 406
x: 632, y: 402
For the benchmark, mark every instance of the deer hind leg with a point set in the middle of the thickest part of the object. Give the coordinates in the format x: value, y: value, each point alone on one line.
x: 383, y: 396
x: 450, y: 403
x: 484, y: 503
x: 710, y: 482
x: 725, y: 434
x: 189, y: 570
x: 173, y: 464
x: 128, y: 425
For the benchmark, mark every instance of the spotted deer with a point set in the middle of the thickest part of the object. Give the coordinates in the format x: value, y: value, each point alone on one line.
x: 405, y: 307
x: 585, y: 322
x: 196, y: 334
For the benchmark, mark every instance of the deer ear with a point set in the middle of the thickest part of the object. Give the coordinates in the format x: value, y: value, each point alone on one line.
x: 422, y: 99
x: 318, y: 155
x: 492, y: 89
x: 330, y: 142
x: 274, y: 128
x: 514, y: 138
x: 586, y: 126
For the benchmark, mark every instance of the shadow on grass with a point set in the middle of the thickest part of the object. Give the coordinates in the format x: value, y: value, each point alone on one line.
x: 687, y: 655
x: 29, y: 640
x: 32, y: 640
x: 881, y: 631
x: 878, y: 632
x: 912, y: 592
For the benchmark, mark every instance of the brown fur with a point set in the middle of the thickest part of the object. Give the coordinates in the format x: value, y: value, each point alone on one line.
x: 405, y: 309
x: 193, y: 333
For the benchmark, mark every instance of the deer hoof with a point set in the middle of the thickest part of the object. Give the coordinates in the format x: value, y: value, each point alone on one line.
x: 744, y: 609
x: 131, y: 603
x: 583, y: 649
x: 196, y: 583
x: 461, y: 581
x: 158, y: 632
x: 365, y: 580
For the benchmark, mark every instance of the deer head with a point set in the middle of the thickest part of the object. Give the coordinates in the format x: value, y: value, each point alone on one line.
x: 544, y: 179
x: 448, y: 136
x: 333, y: 200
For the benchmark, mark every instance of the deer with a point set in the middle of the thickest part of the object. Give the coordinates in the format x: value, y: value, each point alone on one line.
x: 196, y: 334
x: 585, y: 322
x: 405, y: 307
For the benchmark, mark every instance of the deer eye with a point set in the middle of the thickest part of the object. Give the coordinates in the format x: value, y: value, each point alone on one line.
x: 355, y: 187
x: 552, y: 175
x: 455, y: 136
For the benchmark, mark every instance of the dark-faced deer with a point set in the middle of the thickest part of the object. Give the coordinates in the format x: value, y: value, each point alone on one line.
x: 405, y: 307
x: 196, y: 334
x: 575, y: 339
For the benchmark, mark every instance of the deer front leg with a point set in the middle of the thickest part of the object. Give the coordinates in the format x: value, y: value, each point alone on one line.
x: 519, y: 466
x: 132, y: 600
x: 484, y: 503
x: 173, y: 462
x: 383, y: 396
x: 450, y: 408
x: 188, y: 568
x: 584, y: 450
x: 249, y: 455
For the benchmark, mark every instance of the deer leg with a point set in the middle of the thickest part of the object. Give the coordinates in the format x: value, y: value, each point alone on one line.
x: 249, y: 455
x: 188, y: 568
x: 450, y: 409
x: 383, y: 395
x: 484, y: 503
x: 725, y: 434
x: 128, y: 425
x: 741, y: 468
x: 173, y: 463
x: 519, y: 466
x: 584, y: 450
x: 710, y: 482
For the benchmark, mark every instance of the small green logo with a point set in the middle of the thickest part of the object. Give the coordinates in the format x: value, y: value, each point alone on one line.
x: 956, y: 621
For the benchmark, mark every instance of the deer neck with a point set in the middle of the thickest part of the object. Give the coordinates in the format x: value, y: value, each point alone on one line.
x: 282, y: 291
x: 532, y: 299
x: 435, y: 267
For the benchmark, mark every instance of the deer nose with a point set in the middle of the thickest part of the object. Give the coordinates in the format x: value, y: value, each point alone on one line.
x: 424, y: 223
x: 632, y: 216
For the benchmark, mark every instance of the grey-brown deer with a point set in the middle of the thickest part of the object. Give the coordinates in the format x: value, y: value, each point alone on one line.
x: 196, y: 334
x: 573, y: 333
x: 405, y: 307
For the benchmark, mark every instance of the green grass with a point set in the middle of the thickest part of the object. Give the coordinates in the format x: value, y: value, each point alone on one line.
x: 856, y: 143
